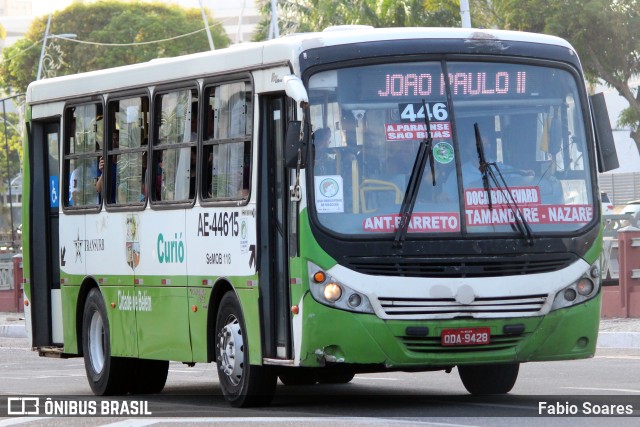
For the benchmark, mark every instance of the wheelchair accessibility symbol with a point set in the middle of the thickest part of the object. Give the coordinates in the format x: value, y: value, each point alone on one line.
x: 54, y: 196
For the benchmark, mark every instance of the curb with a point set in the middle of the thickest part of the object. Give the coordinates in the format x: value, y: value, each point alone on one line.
x: 618, y: 340
x: 13, y: 331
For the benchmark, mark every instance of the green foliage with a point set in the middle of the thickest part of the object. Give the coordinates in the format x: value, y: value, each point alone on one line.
x: 107, y: 22
x: 297, y: 16
x: 12, y: 145
x: 604, y: 32
x: 630, y: 118
x: 315, y: 15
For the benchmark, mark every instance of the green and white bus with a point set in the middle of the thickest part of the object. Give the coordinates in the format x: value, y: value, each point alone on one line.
x: 317, y: 206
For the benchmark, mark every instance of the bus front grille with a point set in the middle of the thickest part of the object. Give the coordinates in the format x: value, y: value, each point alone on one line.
x: 472, y: 266
x: 433, y: 344
x: 510, y: 306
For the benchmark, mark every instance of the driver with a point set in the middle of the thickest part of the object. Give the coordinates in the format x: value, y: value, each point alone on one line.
x: 470, y: 163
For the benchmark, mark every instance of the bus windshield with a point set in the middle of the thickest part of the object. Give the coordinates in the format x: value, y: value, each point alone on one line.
x: 369, y: 122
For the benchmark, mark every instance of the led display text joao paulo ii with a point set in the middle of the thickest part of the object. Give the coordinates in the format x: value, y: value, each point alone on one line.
x: 482, y: 83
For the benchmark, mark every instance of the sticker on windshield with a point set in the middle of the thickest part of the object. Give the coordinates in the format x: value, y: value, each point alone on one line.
x: 412, y: 112
x: 416, y: 131
x: 529, y: 202
x: 443, y: 152
x: 421, y: 222
x: 329, y: 194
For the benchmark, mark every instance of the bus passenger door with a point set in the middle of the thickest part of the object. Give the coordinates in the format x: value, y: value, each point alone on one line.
x: 44, y: 201
x: 273, y: 208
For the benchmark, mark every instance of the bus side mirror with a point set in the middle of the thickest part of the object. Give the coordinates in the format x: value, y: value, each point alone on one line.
x: 297, y: 140
x: 605, y: 145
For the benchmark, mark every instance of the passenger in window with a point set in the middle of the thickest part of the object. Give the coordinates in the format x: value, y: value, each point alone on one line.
x: 113, y: 171
x: 83, y: 182
x: 82, y: 177
x: 470, y: 164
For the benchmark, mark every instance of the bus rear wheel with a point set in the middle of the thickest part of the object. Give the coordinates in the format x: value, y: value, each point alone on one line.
x: 150, y: 375
x: 107, y: 375
x: 242, y: 384
x: 489, y: 379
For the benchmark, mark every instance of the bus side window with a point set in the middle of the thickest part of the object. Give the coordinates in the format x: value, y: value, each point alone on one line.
x: 128, y: 145
x: 175, y: 146
x: 227, y: 147
x: 82, y: 149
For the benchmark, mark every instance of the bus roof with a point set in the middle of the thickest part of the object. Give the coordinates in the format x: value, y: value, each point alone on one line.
x: 246, y: 56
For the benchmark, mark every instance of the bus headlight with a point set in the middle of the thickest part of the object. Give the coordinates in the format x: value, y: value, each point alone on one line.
x: 584, y: 287
x: 332, y: 292
x: 329, y: 291
x: 578, y: 292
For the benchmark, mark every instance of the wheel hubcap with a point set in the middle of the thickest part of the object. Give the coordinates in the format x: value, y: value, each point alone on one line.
x: 231, y: 351
x: 96, y: 342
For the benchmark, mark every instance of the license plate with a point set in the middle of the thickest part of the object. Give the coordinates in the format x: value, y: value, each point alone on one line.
x: 465, y: 336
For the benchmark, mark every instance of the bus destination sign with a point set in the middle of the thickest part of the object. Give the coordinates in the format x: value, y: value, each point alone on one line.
x: 412, y: 84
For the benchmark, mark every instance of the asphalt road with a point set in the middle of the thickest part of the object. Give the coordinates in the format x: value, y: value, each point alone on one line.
x: 192, y: 395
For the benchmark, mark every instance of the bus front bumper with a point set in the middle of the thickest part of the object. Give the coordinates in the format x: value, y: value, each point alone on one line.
x: 335, y: 336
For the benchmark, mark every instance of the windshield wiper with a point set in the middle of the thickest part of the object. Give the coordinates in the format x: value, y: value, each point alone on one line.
x: 488, y: 169
x: 425, y: 152
x: 484, y: 165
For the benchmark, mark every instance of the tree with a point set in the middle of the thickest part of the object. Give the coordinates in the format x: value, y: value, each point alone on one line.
x: 316, y: 15
x: 604, y: 32
x: 98, y: 26
x: 12, y: 145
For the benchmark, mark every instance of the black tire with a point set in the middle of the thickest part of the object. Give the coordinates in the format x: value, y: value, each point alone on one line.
x: 489, y: 379
x: 150, y: 376
x: 338, y: 376
x: 107, y: 375
x: 242, y: 384
x: 298, y: 376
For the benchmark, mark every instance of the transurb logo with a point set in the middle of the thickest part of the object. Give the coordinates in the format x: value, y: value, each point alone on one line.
x: 78, y: 245
x: 132, y: 241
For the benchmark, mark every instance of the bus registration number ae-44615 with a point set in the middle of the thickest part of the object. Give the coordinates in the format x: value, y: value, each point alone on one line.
x: 465, y: 336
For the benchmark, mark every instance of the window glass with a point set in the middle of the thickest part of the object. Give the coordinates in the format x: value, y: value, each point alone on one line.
x: 531, y: 126
x: 174, y: 166
x: 83, y: 135
x: 227, y: 144
x: 125, y: 168
x: 370, y: 122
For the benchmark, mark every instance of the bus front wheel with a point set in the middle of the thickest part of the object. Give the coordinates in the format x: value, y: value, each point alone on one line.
x: 489, y: 379
x: 242, y: 384
x: 107, y: 375
x: 298, y: 376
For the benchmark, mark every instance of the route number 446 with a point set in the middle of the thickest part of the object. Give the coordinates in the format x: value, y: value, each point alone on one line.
x: 411, y: 112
